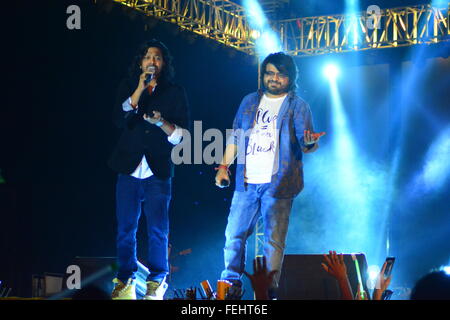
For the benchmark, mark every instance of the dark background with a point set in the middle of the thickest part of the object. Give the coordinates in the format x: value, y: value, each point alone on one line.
x: 56, y: 135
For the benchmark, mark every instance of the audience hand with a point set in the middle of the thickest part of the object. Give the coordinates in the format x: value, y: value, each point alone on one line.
x: 382, y: 284
x: 261, y: 279
x: 335, y: 266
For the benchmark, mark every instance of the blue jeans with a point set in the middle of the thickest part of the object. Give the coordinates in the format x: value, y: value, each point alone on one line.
x: 153, y: 196
x: 246, y: 208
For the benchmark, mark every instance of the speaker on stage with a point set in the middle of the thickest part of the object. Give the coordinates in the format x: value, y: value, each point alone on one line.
x: 303, y: 278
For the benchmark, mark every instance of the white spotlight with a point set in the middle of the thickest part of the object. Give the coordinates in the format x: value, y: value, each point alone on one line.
x: 446, y: 269
x: 331, y: 71
x: 255, y: 34
x: 373, y: 272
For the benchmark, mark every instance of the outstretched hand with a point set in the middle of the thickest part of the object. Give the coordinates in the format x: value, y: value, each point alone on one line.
x: 310, y: 137
x: 382, y: 284
x: 261, y: 278
x: 335, y: 265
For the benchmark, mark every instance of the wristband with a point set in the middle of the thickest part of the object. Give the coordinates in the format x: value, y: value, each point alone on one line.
x: 221, y: 166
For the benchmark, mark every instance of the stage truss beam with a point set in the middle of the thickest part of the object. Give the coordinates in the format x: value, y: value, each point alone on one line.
x: 220, y: 20
x: 389, y: 28
x: 225, y: 22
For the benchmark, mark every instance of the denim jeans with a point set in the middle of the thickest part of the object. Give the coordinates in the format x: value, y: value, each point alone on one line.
x: 246, y: 208
x: 153, y: 196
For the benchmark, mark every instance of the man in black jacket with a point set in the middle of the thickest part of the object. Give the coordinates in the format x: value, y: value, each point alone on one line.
x: 151, y: 111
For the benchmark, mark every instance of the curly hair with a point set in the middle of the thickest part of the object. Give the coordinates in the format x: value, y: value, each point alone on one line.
x: 167, y: 72
x: 285, y: 64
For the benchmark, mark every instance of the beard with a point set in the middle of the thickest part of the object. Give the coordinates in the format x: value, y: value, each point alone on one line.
x: 279, y: 89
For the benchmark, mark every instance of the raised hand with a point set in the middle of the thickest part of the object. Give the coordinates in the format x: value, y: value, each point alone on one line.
x: 382, y: 284
x: 143, y: 84
x: 261, y: 278
x: 335, y: 265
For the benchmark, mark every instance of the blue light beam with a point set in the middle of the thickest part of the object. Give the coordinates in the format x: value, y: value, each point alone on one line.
x: 268, y: 42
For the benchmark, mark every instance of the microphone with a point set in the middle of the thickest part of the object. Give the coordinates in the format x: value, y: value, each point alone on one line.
x: 225, y: 183
x: 149, y: 77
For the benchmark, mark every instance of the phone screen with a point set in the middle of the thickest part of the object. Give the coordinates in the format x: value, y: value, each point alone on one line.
x: 389, y: 265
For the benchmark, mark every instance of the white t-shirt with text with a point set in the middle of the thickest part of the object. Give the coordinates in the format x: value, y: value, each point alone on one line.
x: 262, y: 149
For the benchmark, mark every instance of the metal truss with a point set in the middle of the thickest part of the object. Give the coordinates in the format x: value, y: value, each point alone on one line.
x: 405, y: 26
x: 259, y: 238
x: 225, y: 22
x: 220, y: 20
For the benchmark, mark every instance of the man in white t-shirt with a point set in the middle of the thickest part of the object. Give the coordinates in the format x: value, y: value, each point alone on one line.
x: 271, y: 131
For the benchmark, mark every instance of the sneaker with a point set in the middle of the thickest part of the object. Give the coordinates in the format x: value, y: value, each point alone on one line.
x: 124, y: 291
x: 155, y: 290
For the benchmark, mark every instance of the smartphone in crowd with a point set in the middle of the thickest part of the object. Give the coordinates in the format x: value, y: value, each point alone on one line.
x: 389, y: 265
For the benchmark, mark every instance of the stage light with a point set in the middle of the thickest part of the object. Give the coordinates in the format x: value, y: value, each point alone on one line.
x: 268, y: 43
x: 436, y: 168
x: 255, y: 14
x: 439, y: 3
x: 331, y: 71
x: 255, y: 34
x: 373, y: 272
x: 437, y: 164
x: 352, y: 9
x: 356, y: 184
x: 446, y: 269
x: 266, y: 40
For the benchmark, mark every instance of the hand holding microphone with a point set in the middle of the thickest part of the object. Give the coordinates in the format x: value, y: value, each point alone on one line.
x: 146, y: 77
x: 224, y: 183
x: 222, y: 177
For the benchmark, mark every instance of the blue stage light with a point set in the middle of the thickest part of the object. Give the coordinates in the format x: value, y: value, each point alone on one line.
x: 361, y: 185
x: 351, y: 10
x: 436, y: 169
x: 268, y: 43
x: 446, y: 269
x: 255, y: 14
x: 331, y: 71
x: 439, y: 3
x: 437, y: 163
x: 266, y: 39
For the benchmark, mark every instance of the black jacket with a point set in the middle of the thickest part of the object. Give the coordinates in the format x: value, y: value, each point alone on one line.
x: 139, y: 137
